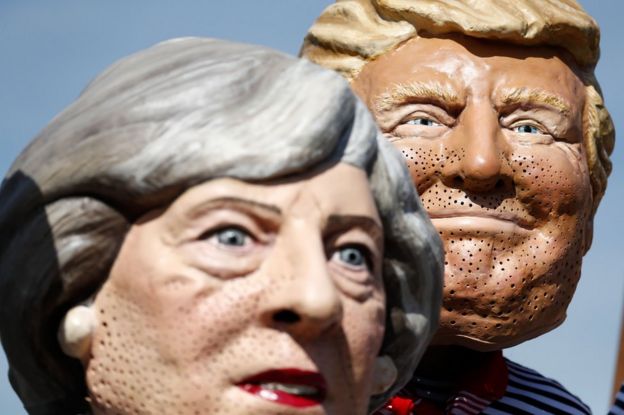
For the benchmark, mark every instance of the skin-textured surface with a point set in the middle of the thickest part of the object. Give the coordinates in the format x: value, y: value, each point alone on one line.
x: 351, y: 33
x: 492, y: 135
x: 532, y: 252
x: 75, y: 41
x: 196, y: 299
x: 506, y: 282
x: 167, y: 119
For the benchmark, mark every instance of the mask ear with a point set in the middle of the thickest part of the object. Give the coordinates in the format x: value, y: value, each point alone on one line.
x: 76, y: 331
x: 384, y: 374
x: 589, y: 234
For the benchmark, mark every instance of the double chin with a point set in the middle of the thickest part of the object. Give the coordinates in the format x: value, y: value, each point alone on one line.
x: 505, y: 284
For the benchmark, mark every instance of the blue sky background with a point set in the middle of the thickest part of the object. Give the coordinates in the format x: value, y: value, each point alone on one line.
x: 49, y: 50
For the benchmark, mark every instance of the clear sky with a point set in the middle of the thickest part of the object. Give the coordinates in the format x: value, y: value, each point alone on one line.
x: 49, y: 50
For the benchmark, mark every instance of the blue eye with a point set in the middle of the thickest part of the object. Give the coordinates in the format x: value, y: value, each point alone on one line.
x: 428, y: 122
x: 231, y: 237
x: 353, y: 256
x: 527, y: 129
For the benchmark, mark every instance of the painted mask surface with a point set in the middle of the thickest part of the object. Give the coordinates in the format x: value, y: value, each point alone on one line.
x: 492, y: 135
x: 244, y: 298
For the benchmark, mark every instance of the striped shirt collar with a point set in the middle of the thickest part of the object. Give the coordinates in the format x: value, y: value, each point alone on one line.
x: 524, y: 392
x: 473, y: 392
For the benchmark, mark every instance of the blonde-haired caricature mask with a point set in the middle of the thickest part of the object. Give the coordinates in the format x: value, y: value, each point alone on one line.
x: 492, y: 134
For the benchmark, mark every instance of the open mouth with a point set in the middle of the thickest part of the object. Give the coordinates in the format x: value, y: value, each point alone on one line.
x: 292, y: 387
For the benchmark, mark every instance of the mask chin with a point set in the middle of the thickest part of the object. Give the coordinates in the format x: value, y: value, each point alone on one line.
x: 76, y: 331
x: 497, y: 342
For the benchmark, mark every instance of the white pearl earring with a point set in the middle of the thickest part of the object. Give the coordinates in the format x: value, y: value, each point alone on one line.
x: 76, y: 330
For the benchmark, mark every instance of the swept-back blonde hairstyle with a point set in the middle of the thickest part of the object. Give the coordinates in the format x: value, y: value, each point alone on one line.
x: 350, y: 33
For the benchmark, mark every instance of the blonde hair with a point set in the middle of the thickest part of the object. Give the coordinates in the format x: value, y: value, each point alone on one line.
x: 350, y: 33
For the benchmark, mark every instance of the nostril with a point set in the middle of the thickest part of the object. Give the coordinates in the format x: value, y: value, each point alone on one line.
x: 500, y: 184
x: 286, y: 316
x: 458, y: 181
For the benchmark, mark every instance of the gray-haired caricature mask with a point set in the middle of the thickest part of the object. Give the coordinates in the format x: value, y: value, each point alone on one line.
x: 224, y: 230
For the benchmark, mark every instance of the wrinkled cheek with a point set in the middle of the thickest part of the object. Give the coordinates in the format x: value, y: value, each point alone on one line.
x: 552, y: 182
x: 364, y: 329
x: 423, y: 160
x: 121, y: 352
x: 206, y: 324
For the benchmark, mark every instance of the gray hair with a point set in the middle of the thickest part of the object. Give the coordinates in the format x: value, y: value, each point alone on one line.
x: 148, y: 128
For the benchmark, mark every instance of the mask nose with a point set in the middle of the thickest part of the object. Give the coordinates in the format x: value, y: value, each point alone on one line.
x: 305, y: 301
x: 480, y: 151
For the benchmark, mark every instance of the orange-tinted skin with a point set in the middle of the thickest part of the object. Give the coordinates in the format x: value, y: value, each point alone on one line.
x: 499, y: 162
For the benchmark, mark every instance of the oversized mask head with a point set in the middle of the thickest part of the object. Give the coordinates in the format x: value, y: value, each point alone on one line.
x: 497, y: 114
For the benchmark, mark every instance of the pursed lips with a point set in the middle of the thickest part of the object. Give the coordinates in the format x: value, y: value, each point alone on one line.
x: 480, y: 220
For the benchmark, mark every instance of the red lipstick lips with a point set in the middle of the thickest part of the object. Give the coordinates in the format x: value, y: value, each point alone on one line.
x: 292, y: 387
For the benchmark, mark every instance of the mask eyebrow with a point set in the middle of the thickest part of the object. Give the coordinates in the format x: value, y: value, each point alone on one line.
x: 181, y: 222
x: 431, y: 92
x: 534, y: 97
x: 266, y: 210
x: 344, y: 222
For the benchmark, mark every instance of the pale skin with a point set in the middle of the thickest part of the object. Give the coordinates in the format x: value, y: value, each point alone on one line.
x: 492, y: 134
x: 235, y: 279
